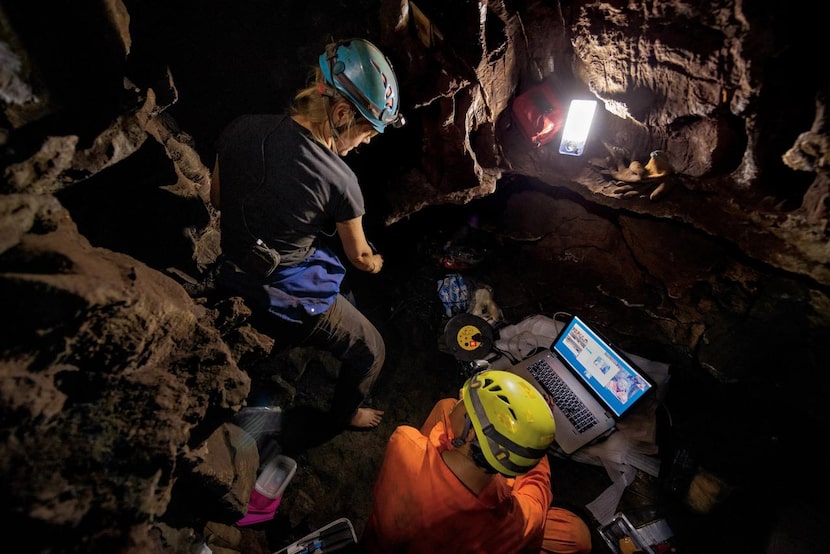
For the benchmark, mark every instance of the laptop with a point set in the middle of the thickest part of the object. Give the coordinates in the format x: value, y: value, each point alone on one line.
x: 592, y: 383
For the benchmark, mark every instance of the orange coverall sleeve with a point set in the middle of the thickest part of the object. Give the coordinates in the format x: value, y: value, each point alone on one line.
x: 532, y: 492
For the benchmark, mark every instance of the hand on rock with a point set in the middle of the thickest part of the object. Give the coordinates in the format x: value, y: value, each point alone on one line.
x: 635, y: 179
x: 655, y: 189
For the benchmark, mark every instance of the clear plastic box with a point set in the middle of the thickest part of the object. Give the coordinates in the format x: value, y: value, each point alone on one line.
x: 274, y: 476
x: 276, y: 473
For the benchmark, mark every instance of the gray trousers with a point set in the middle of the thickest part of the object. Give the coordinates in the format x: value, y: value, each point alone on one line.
x: 348, y: 335
x: 343, y: 331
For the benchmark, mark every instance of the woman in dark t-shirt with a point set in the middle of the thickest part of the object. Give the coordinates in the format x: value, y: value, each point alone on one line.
x: 281, y: 184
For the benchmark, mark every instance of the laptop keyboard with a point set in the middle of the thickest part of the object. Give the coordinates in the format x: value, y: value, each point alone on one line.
x: 564, y: 398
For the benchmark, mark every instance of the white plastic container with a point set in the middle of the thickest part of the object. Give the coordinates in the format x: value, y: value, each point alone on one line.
x: 275, y: 476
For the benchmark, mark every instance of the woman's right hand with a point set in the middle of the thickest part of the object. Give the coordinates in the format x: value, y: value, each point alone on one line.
x: 376, y: 264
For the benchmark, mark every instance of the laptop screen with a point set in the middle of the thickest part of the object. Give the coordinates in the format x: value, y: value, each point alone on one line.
x: 614, y: 379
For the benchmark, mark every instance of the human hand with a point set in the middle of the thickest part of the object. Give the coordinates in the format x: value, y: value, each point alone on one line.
x: 654, y: 180
x: 376, y: 264
x: 655, y: 190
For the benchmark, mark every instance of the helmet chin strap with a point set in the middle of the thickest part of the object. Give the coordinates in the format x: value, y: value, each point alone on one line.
x: 335, y: 130
x: 461, y: 439
x: 335, y: 133
x: 475, y: 450
x: 331, y: 96
x: 479, y: 459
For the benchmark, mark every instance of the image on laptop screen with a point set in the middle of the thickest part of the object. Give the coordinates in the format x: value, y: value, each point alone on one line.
x: 614, y: 379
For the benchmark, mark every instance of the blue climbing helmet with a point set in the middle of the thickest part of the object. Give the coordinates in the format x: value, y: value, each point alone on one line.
x: 360, y: 71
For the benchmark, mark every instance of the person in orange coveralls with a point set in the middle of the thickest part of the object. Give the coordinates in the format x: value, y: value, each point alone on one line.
x: 475, y: 478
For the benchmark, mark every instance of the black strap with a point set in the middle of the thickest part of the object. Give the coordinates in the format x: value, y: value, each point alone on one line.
x: 497, y: 438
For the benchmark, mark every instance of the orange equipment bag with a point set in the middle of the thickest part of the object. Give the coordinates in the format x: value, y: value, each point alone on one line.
x: 539, y: 113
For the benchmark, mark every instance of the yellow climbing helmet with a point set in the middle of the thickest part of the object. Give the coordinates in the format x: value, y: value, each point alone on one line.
x: 513, y: 422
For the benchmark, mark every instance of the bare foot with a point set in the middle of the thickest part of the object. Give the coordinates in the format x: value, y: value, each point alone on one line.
x: 366, y: 418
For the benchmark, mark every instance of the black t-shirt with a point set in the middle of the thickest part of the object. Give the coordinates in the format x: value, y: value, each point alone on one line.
x: 280, y: 185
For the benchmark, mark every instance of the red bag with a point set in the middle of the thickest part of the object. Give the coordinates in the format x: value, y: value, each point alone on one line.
x: 539, y: 113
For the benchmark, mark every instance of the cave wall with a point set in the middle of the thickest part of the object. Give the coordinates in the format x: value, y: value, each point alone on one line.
x: 109, y: 113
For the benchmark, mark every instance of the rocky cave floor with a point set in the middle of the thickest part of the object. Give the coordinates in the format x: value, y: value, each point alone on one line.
x: 334, y: 480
